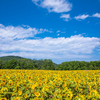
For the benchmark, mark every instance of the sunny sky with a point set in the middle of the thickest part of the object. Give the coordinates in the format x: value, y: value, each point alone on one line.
x: 61, y: 30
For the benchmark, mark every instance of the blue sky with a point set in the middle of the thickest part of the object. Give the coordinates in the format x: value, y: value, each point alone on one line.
x: 61, y: 30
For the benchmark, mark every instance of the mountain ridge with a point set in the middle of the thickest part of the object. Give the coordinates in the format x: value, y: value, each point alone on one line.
x: 11, y: 57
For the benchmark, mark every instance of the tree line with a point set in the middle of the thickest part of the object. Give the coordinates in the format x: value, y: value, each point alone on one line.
x: 47, y: 64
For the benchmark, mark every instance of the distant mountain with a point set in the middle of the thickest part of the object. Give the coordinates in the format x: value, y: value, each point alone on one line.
x: 10, y: 57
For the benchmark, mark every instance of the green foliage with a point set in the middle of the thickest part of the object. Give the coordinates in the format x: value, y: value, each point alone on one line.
x: 1, y: 64
x: 46, y: 64
x: 79, y: 65
x: 17, y: 67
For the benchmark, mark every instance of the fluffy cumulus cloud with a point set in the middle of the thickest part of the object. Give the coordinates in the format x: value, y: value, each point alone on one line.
x: 96, y: 15
x: 18, y: 32
x: 52, y: 47
x: 57, y: 6
x: 65, y: 16
x: 81, y: 17
x: 75, y: 46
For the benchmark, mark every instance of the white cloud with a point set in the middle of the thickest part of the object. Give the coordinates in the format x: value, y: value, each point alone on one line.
x: 96, y: 15
x: 58, y: 34
x: 81, y: 17
x: 18, y: 32
x: 57, y: 6
x: 58, y: 31
x: 75, y: 46
x: 45, y: 55
x: 65, y: 16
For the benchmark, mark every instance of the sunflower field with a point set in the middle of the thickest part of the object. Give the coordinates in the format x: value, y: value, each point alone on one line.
x: 49, y: 85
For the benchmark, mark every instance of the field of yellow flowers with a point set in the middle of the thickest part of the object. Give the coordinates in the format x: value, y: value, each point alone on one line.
x: 49, y: 85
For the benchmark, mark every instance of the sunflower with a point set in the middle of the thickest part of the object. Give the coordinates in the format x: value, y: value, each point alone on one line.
x: 37, y: 94
x: 19, y: 92
x: 3, y: 99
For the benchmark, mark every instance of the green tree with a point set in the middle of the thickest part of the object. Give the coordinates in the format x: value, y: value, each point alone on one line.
x: 17, y: 67
x: 1, y: 63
